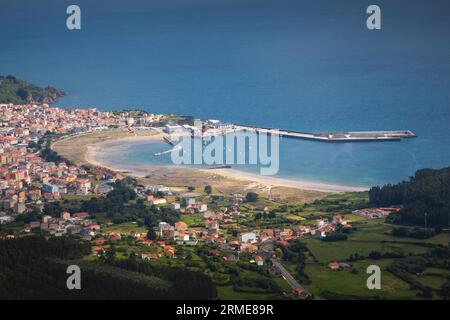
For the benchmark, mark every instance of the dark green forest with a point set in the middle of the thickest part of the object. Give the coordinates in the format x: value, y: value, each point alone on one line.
x: 13, y: 90
x: 35, y: 268
x: 425, y: 199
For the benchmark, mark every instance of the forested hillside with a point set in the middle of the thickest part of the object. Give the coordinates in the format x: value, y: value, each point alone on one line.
x: 35, y: 268
x: 13, y: 90
x: 425, y: 198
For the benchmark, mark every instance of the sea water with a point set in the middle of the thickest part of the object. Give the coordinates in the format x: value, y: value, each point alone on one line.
x: 302, y: 65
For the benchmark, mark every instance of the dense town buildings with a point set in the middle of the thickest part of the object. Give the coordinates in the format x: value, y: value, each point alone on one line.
x: 29, y: 180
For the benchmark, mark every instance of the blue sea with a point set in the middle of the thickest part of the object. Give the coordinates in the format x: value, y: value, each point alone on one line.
x: 308, y: 65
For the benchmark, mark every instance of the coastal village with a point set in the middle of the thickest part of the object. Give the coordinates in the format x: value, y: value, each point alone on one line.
x: 234, y: 158
x: 28, y: 181
x: 34, y: 178
x: 27, y: 178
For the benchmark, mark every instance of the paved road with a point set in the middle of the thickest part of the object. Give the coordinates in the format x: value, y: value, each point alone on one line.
x: 286, y: 275
x: 267, y: 251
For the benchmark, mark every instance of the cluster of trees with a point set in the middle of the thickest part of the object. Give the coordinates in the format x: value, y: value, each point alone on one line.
x: 251, y: 197
x: 243, y: 276
x: 375, y: 255
x: 296, y: 253
x: 407, y: 269
x: 256, y: 284
x: 208, y: 189
x: 262, y: 215
x: 185, y: 284
x: 35, y: 268
x: 424, y: 199
x: 444, y: 290
x: 115, y: 201
x: 417, y: 233
x: 27, y: 272
x: 118, y: 206
x: 335, y: 236
x: 34, y: 215
x: 51, y: 156
x: 45, y: 151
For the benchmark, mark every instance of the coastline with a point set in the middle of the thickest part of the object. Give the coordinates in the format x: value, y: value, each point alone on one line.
x: 284, y: 182
x: 89, y: 152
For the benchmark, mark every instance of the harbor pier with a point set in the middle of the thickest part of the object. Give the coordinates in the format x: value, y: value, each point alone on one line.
x: 350, y: 136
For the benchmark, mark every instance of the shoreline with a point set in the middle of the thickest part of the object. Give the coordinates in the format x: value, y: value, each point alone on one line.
x: 285, y: 182
x: 92, y: 152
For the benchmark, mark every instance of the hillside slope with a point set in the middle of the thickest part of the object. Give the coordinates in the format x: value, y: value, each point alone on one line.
x: 13, y: 90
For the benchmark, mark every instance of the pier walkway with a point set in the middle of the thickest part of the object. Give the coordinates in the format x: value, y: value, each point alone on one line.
x: 351, y: 136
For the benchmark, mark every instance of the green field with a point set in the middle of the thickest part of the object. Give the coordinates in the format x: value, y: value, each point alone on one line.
x: 125, y: 228
x: 346, y: 283
x: 368, y: 236
x: 440, y: 271
x: 372, y: 235
x: 376, y: 230
x: 434, y: 282
x: 341, y: 250
x: 191, y: 220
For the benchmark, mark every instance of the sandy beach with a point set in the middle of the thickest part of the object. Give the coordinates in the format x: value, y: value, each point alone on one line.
x: 89, y: 148
x: 281, y: 182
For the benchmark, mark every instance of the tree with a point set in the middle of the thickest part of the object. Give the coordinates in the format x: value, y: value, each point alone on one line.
x: 375, y: 255
x: 151, y: 234
x: 427, y: 292
x: 251, y: 197
x: 208, y: 189
x: 110, y: 254
x: 23, y: 94
x: 39, y: 265
x: 445, y: 290
x: 52, y: 209
x: 33, y: 145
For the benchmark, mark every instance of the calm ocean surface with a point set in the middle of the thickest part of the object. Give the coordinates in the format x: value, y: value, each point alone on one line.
x: 304, y: 65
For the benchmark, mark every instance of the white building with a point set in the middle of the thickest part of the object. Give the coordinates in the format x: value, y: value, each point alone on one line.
x: 248, y: 237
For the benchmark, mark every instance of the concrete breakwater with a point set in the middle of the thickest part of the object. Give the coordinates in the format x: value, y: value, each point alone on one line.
x: 350, y: 136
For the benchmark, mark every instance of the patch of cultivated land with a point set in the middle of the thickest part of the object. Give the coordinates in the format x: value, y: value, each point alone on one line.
x: 125, y: 228
x: 191, y: 220
x: 353, y: 284
x: 370, y: 235
x: 341, y: 250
